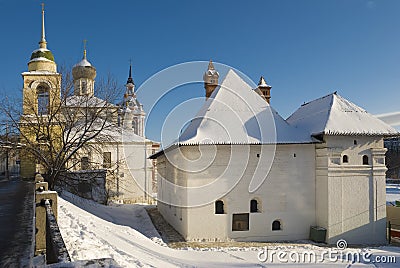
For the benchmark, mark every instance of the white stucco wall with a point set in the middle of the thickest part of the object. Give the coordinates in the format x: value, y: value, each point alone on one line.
x: 126, y: 176
x: 287, y: 195
x: 351, y: 196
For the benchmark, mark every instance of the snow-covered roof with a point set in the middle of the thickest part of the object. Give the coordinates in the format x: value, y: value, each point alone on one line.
x: 212, y: 72
x: 235, y: 114
x: 41, y: 72
x: 40, y: 59
x: 110, y: 132
x: 87, y: 101
x: 262, y: 83
x: 125, y: 135
x: 334, y: 115
x: 84, y: 62
x: 40, y: 50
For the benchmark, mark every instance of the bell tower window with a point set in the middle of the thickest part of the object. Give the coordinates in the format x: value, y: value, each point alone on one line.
x: 43, y: 101
x: 84, y: 87
x: 365, y: 160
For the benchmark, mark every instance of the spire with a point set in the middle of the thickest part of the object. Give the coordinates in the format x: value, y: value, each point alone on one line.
x: 84, y: 49
x: 43, y: 43
x: 130, y: 79
x: 264, y: 89
x: 262, y: 83
x: 211, y: 65
x: 210, y: 79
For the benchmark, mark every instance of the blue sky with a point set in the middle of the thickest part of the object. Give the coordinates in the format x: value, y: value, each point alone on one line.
x: 304, y: 48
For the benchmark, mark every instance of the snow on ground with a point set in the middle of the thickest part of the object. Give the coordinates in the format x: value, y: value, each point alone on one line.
x: 392, y: 192
x: 126, y: 234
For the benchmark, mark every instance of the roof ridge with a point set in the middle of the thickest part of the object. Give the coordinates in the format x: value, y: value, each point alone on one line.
x: 320, y: 98
x: 332, y: 102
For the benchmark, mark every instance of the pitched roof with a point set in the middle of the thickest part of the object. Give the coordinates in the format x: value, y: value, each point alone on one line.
x: 334, y: 115
x: 236, y: 114
x: 87, y: 101
x: 109, y: 132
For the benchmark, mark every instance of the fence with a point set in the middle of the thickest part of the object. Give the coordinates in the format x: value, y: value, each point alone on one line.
x: 49, y: 241
x: 393, y: 220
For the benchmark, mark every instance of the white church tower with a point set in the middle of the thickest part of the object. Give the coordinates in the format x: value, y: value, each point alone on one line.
x: 84, y: 74
x: 132, y: 113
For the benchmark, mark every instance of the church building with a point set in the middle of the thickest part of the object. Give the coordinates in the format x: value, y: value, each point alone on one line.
x: 239, y: 171
x: 111, y: 166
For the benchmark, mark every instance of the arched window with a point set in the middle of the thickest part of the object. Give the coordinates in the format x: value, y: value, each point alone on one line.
x: 254, y: 205
x: 85, y: 163
x: 219, y: 207
x: 345, y: 159
x: 365, y: 160
x: 42, y: 92
x: 84, y: 87
x: 276, y: 225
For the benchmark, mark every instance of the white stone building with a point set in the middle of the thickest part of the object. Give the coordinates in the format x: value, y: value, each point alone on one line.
x: 121, y: 149
x: 241, y: 172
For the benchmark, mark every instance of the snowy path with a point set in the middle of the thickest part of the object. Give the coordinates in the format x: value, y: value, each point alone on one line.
x: 126, y: 234
x: 88, y: 237
x: 392, y: 192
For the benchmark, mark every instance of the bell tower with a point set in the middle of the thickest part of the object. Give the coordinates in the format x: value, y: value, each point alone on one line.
x: 210, y: 79
x: 132, y: 114
x: 42, y: 83
x: 41, y: 98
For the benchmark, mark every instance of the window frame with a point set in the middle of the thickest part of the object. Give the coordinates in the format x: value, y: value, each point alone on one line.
x: 238, y: 218
x: 85, y: 163
x: 365, y: 160
x: 107, y: 156
x: 273, y: 226
x: 219, y: 207
x: 43, y: 99
x: 257, y: 207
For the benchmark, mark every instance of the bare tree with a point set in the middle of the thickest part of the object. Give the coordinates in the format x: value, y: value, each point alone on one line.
x: 8, y: 149
x: 51, y: 137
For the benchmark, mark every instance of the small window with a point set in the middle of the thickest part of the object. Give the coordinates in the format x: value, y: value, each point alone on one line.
x: 365, y: 160
x: 345, y: 159
x: 240, y: 222
x: 85, y: 163
x: 355, y: 142
x: 254, y: 206
x: 276, y: 225
x: 106, y: 159
x: 219, y: 207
